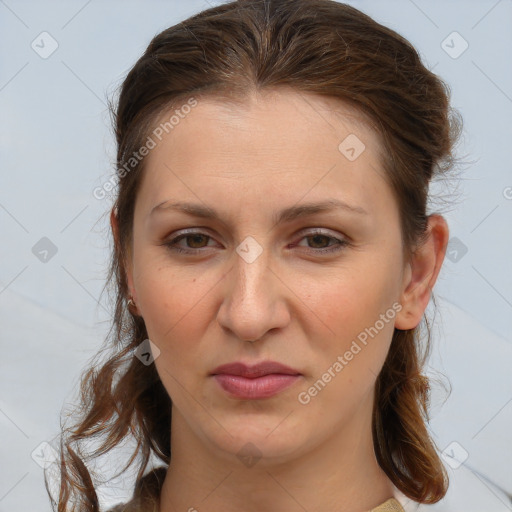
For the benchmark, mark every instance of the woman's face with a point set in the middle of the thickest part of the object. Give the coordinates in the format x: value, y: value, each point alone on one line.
x: 263, y: 278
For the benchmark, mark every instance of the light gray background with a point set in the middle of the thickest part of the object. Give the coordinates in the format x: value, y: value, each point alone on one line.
x: 56, y: 146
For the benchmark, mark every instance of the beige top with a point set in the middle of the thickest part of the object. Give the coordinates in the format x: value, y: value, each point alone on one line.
x: 390, y: 505
x: 147, y: 494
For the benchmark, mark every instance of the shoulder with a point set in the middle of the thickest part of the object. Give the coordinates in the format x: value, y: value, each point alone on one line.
x: 146, y: 496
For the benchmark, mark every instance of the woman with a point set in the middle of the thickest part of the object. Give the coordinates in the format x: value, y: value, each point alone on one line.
x: 272, y: 263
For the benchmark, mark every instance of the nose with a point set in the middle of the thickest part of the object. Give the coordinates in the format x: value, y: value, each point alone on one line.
x: 254, y: 300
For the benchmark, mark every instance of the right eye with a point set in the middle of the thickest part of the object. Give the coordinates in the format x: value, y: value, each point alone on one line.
x: 194, y: 238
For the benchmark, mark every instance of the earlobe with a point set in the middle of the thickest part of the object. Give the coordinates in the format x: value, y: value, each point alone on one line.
x: 421, y: 274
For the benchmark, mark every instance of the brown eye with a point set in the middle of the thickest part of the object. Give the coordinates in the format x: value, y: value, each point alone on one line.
x: 194, y: 242
x: 320, y: 243
x: 320, y: 240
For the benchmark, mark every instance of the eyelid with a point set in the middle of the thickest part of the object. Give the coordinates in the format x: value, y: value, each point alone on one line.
x: 321, y: 231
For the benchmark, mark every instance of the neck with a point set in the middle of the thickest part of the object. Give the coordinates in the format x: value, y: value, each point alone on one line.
x: 341, y: 474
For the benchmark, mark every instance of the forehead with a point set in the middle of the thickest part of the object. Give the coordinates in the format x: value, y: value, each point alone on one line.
x: 284, y: 110
x: 279, y: 145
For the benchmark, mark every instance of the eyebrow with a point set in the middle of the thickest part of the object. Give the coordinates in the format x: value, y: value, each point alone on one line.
x: 286, y: 215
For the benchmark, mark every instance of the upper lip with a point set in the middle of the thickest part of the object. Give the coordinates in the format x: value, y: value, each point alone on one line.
x: 255, y: 370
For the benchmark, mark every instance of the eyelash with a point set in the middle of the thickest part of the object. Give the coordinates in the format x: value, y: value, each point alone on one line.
x: 335, y: 248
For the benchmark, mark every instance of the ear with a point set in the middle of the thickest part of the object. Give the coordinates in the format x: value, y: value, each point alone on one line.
x: 127, y: 267
x: 421, y: 274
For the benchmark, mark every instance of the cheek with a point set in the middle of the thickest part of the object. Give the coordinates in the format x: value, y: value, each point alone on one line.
x: 172, y: 304
x: 174, y: 315
x: 349, y: 301
x: 347, y: 363
x: 357, y: 313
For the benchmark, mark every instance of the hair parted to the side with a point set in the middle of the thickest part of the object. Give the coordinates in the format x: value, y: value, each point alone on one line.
x: 314, y: 46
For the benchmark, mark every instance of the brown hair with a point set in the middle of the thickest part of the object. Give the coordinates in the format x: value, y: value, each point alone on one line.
x: 314, y: 46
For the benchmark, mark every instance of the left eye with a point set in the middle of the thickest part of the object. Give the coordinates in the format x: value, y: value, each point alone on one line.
x: 197, y: 241
x: 321, y: 238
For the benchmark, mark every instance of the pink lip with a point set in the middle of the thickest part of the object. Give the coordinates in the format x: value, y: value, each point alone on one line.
x: 262, y: 380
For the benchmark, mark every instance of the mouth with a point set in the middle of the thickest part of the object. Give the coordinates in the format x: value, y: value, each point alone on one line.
x: 255, y: 382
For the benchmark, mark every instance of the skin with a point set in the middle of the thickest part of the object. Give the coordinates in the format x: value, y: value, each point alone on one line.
x: 303, y: 307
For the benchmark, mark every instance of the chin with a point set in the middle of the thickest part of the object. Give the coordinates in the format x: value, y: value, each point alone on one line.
x: 260, y: 440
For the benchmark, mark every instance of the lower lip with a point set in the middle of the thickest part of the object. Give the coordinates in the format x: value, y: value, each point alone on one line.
x: 254, y: 389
